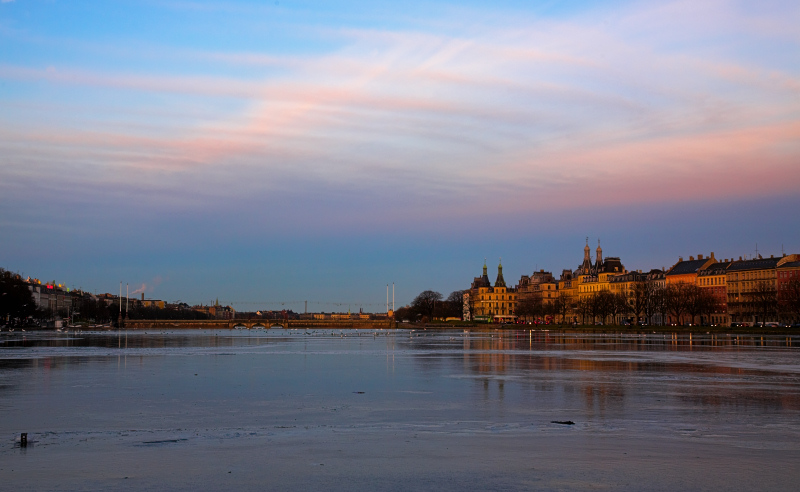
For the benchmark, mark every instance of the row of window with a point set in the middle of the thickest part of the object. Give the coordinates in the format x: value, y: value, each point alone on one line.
x: 753, y: 275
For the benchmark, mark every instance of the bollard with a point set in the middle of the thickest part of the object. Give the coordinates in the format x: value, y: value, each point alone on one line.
x: 23, y: 440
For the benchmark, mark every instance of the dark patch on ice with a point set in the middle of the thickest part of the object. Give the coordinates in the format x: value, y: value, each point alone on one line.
x: 163, y: 441
x: 562, y: 422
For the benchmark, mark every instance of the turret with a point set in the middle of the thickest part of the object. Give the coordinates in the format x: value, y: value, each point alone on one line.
x: 500, y: 282
x: 599, y: 254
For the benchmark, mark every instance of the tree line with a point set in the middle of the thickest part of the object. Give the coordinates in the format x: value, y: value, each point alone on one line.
x: 430, y: 305
x: 680, y: 303
x: 647, y: 303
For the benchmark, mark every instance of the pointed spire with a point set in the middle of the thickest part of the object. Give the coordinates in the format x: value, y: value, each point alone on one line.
x: 485, y: 271
x: 599, y: 254
x: 586, y: 250
x: 500, y: 282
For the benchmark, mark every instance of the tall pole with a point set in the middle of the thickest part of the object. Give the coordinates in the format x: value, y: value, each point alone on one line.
x: 387, y: 298
x: 120, y: 305
x: 392, y: 296
x: 127, y: 297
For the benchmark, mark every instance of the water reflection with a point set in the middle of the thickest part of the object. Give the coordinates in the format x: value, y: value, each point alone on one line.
x: 598, y: 373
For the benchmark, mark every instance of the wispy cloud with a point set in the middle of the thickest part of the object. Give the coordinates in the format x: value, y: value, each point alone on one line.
x: 654, y: 100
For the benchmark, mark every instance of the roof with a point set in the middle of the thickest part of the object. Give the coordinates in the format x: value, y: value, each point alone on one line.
x: 687, y: 267
x: 757, y: 264
x: 628, y: 277
x: 478, y: 282
x: 612, y: 265
x: 791, y: 264
x: 715, y: 269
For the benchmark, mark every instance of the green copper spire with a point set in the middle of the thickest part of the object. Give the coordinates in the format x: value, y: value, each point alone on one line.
x: 500, y: 282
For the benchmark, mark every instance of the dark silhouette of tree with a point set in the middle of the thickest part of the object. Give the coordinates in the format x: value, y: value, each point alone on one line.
x: 16, y: 299
x: 764, y: 300
x: 425, y: 303
x: 583, y: 306
x: 602, y: 305
x: 619, y: 306
x: 637, y: 300
x: 404, y: 313
x: 699, y: 301
x: 658, y: 300
x: 529, y: 308
x: 675, y: 300
x: 789, y: 300
x: 453, y: 306
x: 562, y: 306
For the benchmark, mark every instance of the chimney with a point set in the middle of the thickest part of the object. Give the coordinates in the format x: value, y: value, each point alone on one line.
x: 712, y: 255
x: 143, y: 296
x: 699, y: 257
x: 691, y: 258
x: 740, y: 258
x: 772, y: 256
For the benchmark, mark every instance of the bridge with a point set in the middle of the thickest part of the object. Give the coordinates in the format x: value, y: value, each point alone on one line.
x: 226, y: 324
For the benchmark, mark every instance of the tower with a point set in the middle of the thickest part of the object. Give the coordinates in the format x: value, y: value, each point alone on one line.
x: 500, y: 282
x: 599, y: 255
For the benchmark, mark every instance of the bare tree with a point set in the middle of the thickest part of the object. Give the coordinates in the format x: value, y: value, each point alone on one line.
x: 529, y: 308
x: 789, y: 299
x: 16, y: 299
x: 698, y: 301
x: 584, y: 308
x: 602, y: 305
x: 562, y: 306
x: 619, y: 305
x: 676, y: 300
x: 764, y: 300
x: 637, y: 300
x: 453, y: 306
x: 425, y: 303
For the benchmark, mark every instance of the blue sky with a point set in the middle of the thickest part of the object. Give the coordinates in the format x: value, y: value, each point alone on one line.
x: 268, y: 153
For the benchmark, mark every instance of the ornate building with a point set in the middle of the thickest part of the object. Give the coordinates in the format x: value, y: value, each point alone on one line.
x: 493, y: 303
x: 593, y: 277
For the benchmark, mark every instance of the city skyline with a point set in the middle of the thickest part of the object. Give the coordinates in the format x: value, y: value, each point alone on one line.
x: 304, y: 150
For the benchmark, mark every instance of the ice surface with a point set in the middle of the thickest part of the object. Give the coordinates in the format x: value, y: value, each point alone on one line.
x: 398, y: 410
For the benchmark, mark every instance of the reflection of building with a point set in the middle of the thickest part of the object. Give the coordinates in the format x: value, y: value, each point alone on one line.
x: 486, y: 302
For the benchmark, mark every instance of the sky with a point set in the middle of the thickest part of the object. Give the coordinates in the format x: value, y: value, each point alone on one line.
x: 271, y: 153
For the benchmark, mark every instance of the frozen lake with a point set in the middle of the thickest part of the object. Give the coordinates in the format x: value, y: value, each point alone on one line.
x: 398, y: 410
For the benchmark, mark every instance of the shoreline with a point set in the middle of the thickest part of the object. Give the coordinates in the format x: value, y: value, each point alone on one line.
x: 588, y: 329
x: 618, y: 329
